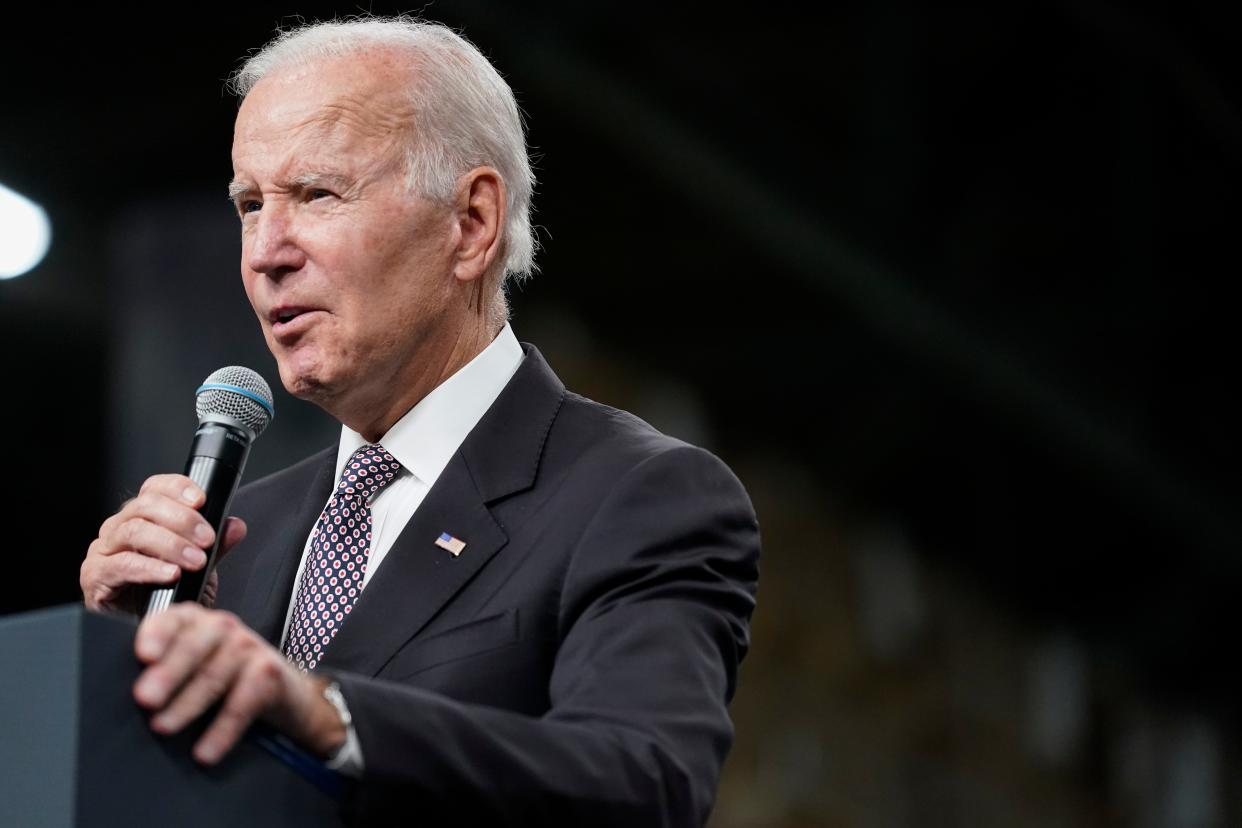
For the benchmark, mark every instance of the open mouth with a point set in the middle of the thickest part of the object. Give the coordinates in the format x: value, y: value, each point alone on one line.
x: 289, y: 320
x: 285, y: 314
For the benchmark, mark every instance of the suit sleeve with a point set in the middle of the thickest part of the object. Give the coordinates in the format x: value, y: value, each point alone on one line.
x: 654, y: 611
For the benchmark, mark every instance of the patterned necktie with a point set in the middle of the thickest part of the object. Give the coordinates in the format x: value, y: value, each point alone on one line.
x: 332, y: 577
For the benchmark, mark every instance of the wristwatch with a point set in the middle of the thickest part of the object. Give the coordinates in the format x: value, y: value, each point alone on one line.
x: 332, y: 692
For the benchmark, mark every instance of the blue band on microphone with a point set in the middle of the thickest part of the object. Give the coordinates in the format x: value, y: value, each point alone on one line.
x: 219, y: 386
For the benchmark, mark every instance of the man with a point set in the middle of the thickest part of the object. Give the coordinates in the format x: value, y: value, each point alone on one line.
x: 494, y: 602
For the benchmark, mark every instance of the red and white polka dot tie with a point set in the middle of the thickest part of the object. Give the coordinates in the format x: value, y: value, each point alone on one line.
x: 332, y: 577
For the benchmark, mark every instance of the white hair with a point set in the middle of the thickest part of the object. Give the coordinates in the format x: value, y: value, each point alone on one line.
x: 467, y: 115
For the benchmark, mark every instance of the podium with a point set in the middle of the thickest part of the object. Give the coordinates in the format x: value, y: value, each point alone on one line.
x: 76, y: 750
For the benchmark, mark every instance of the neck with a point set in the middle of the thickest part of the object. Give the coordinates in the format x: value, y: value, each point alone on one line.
x: 372, y: 412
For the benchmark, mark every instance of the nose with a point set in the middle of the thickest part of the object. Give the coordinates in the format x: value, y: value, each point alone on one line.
x: 271, y: 247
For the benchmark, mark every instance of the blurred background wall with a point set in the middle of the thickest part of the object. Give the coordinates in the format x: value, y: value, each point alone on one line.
x: 947, y: 288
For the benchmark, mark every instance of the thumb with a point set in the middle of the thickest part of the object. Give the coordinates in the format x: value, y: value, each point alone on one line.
x: 234, y: 533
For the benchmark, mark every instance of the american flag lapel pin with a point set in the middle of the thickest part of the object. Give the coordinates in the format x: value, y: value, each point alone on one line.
x: 452, y: 544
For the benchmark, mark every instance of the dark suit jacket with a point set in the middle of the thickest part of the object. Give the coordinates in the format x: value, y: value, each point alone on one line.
x: 573, y: 665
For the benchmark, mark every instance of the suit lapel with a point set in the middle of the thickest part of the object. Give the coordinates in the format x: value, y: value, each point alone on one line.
x: 417, y: 579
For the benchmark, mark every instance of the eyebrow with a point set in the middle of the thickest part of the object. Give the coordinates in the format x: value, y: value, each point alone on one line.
x: 306, y: 181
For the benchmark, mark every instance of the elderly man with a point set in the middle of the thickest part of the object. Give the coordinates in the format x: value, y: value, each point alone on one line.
x: 495, y: 601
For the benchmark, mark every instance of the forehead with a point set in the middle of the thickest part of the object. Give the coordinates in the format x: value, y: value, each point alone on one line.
x: 355, y: 99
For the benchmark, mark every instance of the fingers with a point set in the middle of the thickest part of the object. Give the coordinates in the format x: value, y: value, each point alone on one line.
x: 140, y: 534
x: 257, y: 688
x: 175, y: 486
x: 124, y: 569
x: 211, y: 588
x: 162, y: 523
x: 157, y: 633
x: 203, y: 688
x: 181, y: 650
x: 198, y: 657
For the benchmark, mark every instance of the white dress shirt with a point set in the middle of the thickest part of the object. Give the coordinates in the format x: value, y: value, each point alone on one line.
x: 423, y: 441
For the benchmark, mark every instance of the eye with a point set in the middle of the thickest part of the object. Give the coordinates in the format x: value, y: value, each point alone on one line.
x: 313, y: 195
x: 249, y: 205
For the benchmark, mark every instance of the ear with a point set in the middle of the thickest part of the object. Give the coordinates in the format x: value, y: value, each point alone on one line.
x: 480, y: 215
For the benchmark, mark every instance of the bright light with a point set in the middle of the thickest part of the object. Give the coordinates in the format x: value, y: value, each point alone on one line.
x: 25, y: 233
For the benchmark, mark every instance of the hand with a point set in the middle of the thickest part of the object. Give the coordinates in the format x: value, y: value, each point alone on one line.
x: 197, y: 657
x: 149, y: 542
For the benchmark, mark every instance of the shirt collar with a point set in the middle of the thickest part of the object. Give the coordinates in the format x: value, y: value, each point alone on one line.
x: 429, y: 434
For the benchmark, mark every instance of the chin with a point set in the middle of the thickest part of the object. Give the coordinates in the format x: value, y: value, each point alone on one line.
x: 304, y: 383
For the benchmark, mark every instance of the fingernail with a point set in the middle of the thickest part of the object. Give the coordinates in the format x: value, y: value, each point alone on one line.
x: 207, y: 753
x: 203, y: 533
x: 194, y: 557
x: 163, y: 722
x: 190, y: 494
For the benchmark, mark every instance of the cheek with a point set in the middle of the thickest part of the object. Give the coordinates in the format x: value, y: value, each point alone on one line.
x: 249, y: 281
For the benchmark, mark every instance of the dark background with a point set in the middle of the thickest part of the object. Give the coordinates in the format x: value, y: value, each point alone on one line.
x: 947, y: 287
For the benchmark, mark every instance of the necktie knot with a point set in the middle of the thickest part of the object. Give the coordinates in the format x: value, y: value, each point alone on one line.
x: 369, y: 469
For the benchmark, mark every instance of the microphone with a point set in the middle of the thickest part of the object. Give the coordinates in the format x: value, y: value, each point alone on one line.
x: 234, y: 406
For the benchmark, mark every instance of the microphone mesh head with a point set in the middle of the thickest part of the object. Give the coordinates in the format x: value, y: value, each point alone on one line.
x: 239, y: 394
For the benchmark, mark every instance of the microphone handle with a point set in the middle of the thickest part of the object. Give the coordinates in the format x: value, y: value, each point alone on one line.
x: 217, y: 458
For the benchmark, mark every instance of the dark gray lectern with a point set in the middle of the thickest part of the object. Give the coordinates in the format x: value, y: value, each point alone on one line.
x: 76, y: 751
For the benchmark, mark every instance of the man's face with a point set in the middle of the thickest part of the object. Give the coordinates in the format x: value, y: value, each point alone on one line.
x: 349, y: 273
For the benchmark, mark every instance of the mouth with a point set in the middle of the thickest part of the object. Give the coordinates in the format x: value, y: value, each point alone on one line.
x: 289, y: 320
x: 284, y: 313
